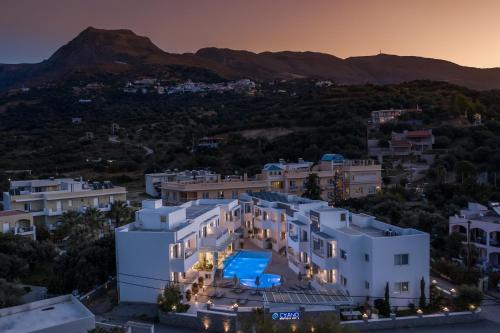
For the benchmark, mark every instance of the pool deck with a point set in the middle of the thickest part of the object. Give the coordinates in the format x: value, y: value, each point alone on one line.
x: 278, y: 265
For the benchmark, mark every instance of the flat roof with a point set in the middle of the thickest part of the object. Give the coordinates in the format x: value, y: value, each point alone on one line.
x: 43, y: 314
x: 197, y: 210
x: 297, y: 222
x: 330, y: 297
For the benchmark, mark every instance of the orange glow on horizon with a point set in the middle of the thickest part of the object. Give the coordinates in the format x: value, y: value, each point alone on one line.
x: 456, y: 30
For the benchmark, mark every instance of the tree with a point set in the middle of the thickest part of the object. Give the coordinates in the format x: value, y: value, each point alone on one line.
x: 84, y: 265
x: 10, y: 295
x: 170, y: 300
x: 465, y: 170
x: 94, y: 218
x: 67, y: 222
x: 386, y: 295
x: 120, y: 214
x: 468, y: 295
x: 313, y: 190
x: 422, y: 300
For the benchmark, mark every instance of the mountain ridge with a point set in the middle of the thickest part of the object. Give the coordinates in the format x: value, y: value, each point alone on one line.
x: 97, y: 50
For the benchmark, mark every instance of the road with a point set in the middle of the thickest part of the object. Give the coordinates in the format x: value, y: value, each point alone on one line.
x: 479, y: 327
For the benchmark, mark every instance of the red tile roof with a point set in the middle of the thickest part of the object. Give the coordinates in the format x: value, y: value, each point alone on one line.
x: 419, y: 134
x: 397, y: 143
x: 11, y: 212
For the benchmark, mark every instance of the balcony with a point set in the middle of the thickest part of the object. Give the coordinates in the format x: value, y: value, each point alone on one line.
x: 494, y: 242
x: 217, y: 240
x: 53, y: 212
x: 185, y: 263
x: 320, y: 259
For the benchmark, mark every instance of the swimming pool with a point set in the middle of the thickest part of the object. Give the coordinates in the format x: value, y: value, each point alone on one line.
x: 247, y: 265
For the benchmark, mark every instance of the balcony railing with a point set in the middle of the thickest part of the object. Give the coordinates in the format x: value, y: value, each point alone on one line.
x: 494, y: 243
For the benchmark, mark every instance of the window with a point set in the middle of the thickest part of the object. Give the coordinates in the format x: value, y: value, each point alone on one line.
x: 343, y: 254
x: 163, y: 218
x: 283, y: 235
x: 367, y: 257
x: 401, y: 287
x: 330, y: 276
x: 234, y: 195
x: 205, y: 195
x: 367, y: 285
x: 343, y: 280
x: 401, y: 259
x: 329, y: 250
x: 343, y: 217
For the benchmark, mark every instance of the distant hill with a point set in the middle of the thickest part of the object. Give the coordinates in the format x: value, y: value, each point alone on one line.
x: 115, y: 51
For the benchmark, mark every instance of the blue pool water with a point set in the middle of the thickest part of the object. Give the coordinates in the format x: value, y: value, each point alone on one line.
x: 247, y: 265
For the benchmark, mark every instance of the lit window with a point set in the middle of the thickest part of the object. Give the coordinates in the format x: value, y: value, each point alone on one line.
x: 401, y: 287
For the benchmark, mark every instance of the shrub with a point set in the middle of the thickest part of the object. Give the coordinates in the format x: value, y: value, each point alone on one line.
x: 188, y: 295
x: 467, y: 295
x: 194, y: 288
x: 170, y: 297
x: 383, y: 307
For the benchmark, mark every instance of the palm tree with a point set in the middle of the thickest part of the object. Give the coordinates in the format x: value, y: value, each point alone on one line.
x: 94, y: 218
x: 119, y: 213
x: 67, y: 223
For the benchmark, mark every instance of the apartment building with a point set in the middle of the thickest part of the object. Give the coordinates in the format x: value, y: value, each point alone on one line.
x: 174, y: 244
x: 340, y: 179
x: 401, y: 145
x: 48, y: 199
x: 18, y: 223
x: 338, y: 249
x: 194, y: 185
x: 380, y: 117
x: 483, y: 224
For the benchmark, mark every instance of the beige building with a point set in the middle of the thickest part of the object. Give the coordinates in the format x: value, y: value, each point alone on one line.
x: 339, y: 179
x: 209, y: 186
x: 18, y: 223
x: 47, y: 199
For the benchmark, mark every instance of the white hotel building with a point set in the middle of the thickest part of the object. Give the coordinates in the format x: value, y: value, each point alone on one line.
x: 174, y: 244
x: 339, y: 249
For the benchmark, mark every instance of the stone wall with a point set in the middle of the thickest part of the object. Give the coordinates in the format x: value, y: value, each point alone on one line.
x: 204, y: 320
x: 413, y: 321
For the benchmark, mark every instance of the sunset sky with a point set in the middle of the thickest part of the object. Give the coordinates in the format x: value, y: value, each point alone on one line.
x: 465, y: 32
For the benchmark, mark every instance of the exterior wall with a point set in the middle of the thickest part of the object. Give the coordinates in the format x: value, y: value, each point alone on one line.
x: 489, y: 246
x: 384, y: 270
x: 19, y: 224
x: 178, y: 193
x: 144, y: 254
